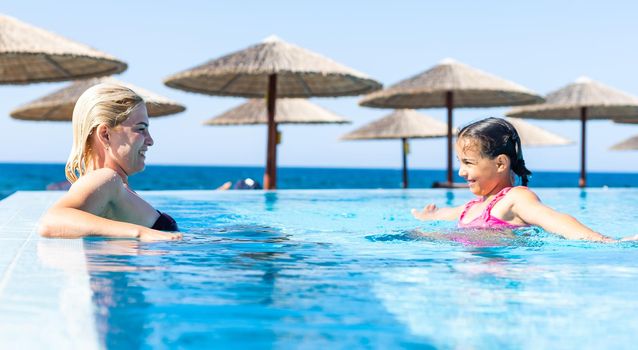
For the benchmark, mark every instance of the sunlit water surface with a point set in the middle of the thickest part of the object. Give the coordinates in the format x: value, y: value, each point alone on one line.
x: 352, y: 268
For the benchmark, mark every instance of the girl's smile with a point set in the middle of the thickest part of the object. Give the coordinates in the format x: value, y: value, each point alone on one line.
x: 484, y: 176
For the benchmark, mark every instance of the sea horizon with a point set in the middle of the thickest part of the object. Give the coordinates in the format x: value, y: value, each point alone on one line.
x: 364, y: 167
x: 38, y: 176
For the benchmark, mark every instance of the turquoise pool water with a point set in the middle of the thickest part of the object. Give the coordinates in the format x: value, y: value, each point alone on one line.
x: 343, y: 269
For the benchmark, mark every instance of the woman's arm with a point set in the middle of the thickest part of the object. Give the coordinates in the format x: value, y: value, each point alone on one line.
x: 431, y: 212
x: 76, y: 213
x: 529, y: 208
x: 62, y: 222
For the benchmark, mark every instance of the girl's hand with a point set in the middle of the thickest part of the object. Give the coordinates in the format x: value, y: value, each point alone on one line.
x: 151, y: 235
x: 606, y: 239
x: 629, y: 238
x: 428, y: 212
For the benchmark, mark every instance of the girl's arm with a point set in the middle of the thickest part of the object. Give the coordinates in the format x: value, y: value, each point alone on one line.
x: 431, y: 212
x: 74, y: 215
x: 529, y: 208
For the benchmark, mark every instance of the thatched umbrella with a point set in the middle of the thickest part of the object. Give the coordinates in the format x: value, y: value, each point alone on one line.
x: 401, y: 124
x: 534, y: 136
x: 273, y: 69
x: 584, y: 99
x: 451, y: 84
x: 58, y: 106
x: 289, y: 111
x: 626, y: 145
x: 626, y: 120
x: 29, y: 54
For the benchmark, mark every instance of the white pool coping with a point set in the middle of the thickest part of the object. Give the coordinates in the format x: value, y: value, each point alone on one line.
x: 45, y: 293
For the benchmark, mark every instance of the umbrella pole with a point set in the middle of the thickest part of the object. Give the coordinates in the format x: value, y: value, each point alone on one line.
x: 405, y: 147
x: 582, y: 182
x: 270, y: 177
x: 449, y: 102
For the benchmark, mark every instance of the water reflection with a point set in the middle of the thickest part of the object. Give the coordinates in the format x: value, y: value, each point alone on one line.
x: 476, y: 291
x: 193, y: 281
x: 111, y: 255
x: 465, y: 237
x: 113, y: 266
x: 583, y: 199
x: 449, y: 198
x: 270, y: 201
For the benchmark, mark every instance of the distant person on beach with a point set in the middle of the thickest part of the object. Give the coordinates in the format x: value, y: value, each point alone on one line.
x: 243, y: 184
x: 110, y: 140
x: 247, y: 184
x: 491, y: 156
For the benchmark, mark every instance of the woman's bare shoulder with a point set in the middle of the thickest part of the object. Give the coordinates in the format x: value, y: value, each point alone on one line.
x: 104, y: 183
x: 93, y: 191
x: 99, y: 178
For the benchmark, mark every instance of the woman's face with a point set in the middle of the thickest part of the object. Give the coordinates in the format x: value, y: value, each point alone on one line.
x: 483, y: 175
x: 129, y: 142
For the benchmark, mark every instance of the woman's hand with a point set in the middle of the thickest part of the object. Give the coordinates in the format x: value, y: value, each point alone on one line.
x: 150, y: 235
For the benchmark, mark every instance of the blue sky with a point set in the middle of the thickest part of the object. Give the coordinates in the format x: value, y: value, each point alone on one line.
x: 542, y: 45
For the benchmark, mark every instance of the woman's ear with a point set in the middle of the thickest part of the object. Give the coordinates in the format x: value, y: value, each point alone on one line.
x: 102, y: 132
x: 503, y: 163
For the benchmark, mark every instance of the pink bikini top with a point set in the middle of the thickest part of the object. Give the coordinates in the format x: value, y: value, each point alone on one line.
x: 486, y: 219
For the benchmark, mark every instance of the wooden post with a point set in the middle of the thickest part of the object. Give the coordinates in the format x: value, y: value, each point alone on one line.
x: 406, y: 150
x: 582, y: 182
x: 449, y: 102
x: 270, y: 176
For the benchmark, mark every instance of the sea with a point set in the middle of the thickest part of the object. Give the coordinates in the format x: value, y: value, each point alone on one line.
x: 30, y: 176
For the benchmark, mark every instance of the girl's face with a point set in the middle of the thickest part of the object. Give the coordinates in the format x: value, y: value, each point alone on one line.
x: 484, y: 176
x: 129, y: 143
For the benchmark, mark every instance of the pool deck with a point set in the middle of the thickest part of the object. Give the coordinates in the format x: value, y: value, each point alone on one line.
x: 45, y: 294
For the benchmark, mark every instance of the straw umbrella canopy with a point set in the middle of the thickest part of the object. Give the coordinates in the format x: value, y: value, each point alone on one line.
x: 451, y: 84
x: 29, y: 54
x: 533, y: 136
x: 289, y: 111
x: 401, y: 124
x: 582, y: 100
x: 626, y: 145
x: 626, y: 120
x: 271, y: 69
x: 58, y: 106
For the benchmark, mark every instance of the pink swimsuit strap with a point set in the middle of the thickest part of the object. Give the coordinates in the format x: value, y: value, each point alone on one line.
x: 486, y: 219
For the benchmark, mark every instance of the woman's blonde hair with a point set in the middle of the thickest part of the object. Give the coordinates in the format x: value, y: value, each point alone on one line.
x: 104, y: 103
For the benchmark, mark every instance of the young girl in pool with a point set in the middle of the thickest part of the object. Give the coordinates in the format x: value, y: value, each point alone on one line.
x: 490, y: 154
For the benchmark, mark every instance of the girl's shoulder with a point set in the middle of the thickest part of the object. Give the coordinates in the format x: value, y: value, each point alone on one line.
x: 521, y: 193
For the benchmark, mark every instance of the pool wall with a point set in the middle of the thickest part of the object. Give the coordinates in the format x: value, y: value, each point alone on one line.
x: 45, y: 295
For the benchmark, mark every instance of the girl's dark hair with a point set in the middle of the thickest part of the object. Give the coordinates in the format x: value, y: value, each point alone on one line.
x: 497, y: 136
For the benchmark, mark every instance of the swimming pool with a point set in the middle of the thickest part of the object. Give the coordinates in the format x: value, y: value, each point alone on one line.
x: 351, y: 268
x: 317, y: 269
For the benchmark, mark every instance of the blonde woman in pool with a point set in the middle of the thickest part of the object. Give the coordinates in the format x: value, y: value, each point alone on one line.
x: 490, y: 154
x: 110, y: 141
